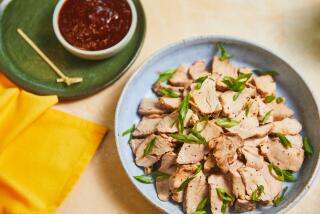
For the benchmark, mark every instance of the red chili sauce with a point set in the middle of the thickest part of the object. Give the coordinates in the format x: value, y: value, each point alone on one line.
x: 94, y: 24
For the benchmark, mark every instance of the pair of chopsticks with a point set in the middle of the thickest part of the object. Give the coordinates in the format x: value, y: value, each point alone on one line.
x: 63, y: 78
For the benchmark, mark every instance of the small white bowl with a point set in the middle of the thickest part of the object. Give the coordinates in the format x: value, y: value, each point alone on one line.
x: 94, y: 55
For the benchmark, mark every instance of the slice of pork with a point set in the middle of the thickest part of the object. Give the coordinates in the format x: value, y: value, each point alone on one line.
x: 135, y: 143
x: 263, y: 110
x: 217, y: 181
x: 281, y: 111
x: 177, y: 178
x: 191, y: 153
x: 146, y: 127
x: 180, y: 77
x: 249, y: 128
x: 255, y: 141
x: 168, y: 166
x: 223, y: 68
x: 287, y: 126
x: 169, y: 104
x: 209, y: 130
x: 225, y: 151
x: 238, y: 188
x: 241, y: 205
x: 205, y: 100
x: 198, y: 69
x: 252, y: 156
x: 266, y: 85
x: 160, y: 147
x: 149, y: 106
x: 161, y: 85
x: 285, y: 158
x: 196, y: 190
x: 252, y: 179
x: 168, y: 123
x: 209, y: 164
x: 231, y: 107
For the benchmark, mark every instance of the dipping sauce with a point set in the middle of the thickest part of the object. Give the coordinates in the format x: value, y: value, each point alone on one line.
x: 94, y: 25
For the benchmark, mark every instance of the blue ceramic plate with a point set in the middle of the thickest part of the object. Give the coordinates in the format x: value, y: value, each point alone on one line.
x: 290, y: 85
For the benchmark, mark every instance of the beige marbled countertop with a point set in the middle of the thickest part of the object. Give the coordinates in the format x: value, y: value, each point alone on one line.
x: 289, y: 28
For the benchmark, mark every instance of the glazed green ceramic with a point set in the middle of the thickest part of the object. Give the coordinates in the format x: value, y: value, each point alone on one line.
x: 25, y: 68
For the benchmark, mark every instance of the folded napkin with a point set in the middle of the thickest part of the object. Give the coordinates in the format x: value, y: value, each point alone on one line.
x: 42, y: 151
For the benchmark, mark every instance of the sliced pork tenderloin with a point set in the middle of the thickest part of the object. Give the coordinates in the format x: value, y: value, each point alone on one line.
x: 180, y: 77
x: 182, y: 173
x: 266, y: 85
x: 205, y: 100
x: 287, y: 126
x: 169, y: 104
x: 238, y: 188
x: 160, y: 147
x: 225, y: 151
x: 281, y: 111
x: 161, y: 85
x: 231, y: 108
x: 168, y: 166
x: 149, y: 106
x: 146, y: 126
x: 285, y: 158
x: 196, y: 190
x: 135, y: 143
x: 241, y: 205
x: 198, y: 69
x: 217, y: 181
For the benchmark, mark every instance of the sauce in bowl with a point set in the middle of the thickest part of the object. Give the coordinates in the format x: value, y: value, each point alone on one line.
x: 94, y: 25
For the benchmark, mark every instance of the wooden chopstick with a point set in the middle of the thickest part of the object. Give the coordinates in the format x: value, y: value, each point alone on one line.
x: 63, y: 77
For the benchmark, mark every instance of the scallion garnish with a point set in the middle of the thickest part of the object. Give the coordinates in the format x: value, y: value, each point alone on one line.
x: 269, y: 99
x: 144, y: 179
x: 199, y: 82
x: 225, y: 197
x: 226, y: 122
x: 276, y: 172
x: 203, y: 203
x: 166, y: 75
x: 288, y: 176
x: 266, y: 117
x: 284, y: 141
x: 238, y: 84
x: 200, y: 212
x: 280, y: 100
x: 307, y: 147
x: 183, y: 109
x: 279, y: 200
x: 149, y: 147
x: 169, y: 93
x: 190, y: 138
x: 247, y: 110
x: 281, y: 175
x: 150, y: 178
x: 129, y: 131
x: 224, y: 54
x: 257, y: 193
x: 185, y: 183
x: 260, y: 72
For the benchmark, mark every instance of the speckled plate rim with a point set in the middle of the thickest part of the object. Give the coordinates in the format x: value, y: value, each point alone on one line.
x: 315, y: 170
x: 85, y: 94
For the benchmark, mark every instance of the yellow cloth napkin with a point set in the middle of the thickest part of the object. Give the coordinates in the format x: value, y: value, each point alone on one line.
x: 42, y: 151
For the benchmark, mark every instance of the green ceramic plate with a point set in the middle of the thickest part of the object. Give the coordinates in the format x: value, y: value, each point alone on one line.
x: 26, y: 69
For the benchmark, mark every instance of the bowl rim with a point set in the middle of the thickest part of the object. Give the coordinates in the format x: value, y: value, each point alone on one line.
x: 118, y: 46
x: 138, y: 70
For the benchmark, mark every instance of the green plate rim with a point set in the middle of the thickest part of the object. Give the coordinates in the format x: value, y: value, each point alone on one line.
x: 5, y: 69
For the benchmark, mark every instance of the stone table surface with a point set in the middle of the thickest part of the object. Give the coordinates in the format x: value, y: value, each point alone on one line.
x: 289, y: 28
